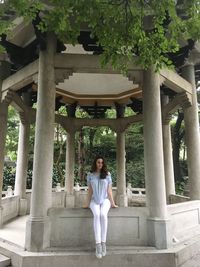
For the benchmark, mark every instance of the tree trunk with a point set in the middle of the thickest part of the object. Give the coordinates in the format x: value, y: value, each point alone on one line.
x: 91, y: 139
x: 177, y: 136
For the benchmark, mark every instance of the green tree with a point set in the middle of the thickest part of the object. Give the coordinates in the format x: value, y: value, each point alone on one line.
x: 12, y: 134
x: 148, y: 29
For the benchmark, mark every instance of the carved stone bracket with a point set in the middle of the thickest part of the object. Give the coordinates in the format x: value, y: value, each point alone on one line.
x: 117, y: 125
x: 8, y: 97
x: 12, y: 98
x: 182, y: 100
x: 185, y: 100
x: 167, y: 119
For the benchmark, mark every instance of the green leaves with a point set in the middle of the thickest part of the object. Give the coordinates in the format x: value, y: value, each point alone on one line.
x: 125, y: 28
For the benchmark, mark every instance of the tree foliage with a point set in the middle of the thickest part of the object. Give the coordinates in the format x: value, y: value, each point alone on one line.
x: 97, y: 141
x: 144, y: 30
x: 12, y: 134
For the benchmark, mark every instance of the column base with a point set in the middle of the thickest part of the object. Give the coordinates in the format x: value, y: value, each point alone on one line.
x: 70, y: 201
x: 22, y: 206
x: 37, y: 234
x: 122, y: 200
x: 159, y: 233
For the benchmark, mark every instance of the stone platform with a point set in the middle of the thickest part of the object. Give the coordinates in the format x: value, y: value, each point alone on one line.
x: 183, y: 254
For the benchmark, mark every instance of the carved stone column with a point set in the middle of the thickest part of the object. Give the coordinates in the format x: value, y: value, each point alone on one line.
x: 38, y: 225
x: 157, y: 224
x: 167, y: 150
x: 191, y: 119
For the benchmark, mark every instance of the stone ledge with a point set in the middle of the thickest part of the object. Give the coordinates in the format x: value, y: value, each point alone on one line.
x: 74, y: 227
x: 178, y: 256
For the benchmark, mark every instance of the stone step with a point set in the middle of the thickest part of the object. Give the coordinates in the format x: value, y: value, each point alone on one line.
x: 186, y: 254
x: 4, y: 261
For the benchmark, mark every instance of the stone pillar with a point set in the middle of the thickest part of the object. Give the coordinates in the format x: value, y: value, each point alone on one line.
x: 121, y: 197
x: 192, y: 136
x: 3, y: 131
x: 22, y: 166
x: 70, y: 162
x: 38, y: 225
x: 158, y: 225
x: 4, y: 72
x: 167, y: 150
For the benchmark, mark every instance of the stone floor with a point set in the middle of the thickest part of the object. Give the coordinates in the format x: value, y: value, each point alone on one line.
x: 193, y: 262
x: 12, y: 239
x: 14, y: 231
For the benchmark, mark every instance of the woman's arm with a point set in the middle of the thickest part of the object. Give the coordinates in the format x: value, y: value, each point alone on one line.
x: 110, y: 196
x: 89, y: 196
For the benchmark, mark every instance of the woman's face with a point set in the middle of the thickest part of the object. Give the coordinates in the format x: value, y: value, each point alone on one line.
x: 99, y: 164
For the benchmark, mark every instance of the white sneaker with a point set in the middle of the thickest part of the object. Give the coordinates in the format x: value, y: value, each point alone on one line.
x: 99, y: 251
x: 103, y: 249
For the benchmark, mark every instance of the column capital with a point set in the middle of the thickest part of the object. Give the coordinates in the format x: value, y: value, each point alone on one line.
x: 71, y: 131
x: 70, y: 126
x: 185, y: 100
x: 167, y: 119
x: 71, y: 110
x: 120, y: 109
x: 120, y: 130
x: 8, y: 97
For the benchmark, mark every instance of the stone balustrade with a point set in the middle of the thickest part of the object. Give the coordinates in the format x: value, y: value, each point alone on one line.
x: 178, y: 213
x: 10, y: 207
x: 10, y: 203
x: 136, y: 197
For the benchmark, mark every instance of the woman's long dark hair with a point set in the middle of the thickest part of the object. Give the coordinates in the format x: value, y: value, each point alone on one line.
x: 104, y: 170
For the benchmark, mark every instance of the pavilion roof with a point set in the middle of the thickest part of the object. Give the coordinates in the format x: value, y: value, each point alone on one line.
x: 94, y: 92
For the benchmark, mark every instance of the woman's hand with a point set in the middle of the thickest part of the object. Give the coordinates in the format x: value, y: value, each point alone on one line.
x: 110, y: 196
x: 85, y: 206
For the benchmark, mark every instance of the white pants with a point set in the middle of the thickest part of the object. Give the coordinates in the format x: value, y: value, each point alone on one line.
x: 100, y: 221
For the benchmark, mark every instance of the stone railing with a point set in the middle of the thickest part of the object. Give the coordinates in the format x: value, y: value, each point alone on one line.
x: 184, y: 219
x: 10, y: 207
x: 136, y: 196
x: 10, y: 203
x: 8, y: 192
x: 177, y: 199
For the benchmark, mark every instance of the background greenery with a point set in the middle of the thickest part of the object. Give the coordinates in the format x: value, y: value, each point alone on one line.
x: 93, y: 141
x: 88, y: 143
x: 129, y: 31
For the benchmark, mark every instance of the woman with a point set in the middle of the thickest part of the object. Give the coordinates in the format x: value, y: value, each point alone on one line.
x: 99, y: 200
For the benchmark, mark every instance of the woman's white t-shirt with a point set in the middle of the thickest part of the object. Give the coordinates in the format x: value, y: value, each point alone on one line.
x: 99, y: 186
